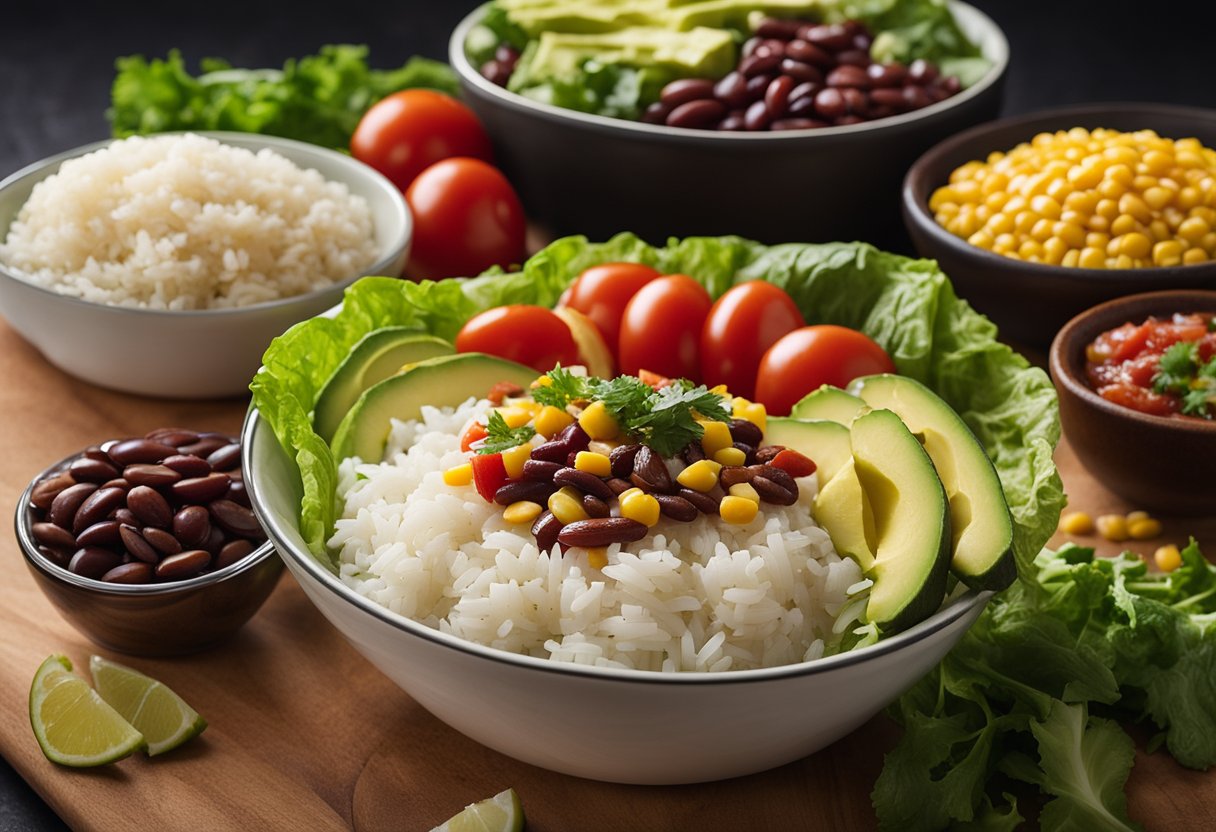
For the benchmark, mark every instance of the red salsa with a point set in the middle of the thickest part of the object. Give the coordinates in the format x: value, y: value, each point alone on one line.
x: 1164, y: 366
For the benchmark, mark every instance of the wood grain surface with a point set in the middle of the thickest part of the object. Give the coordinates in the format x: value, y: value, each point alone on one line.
x: 305, y: 734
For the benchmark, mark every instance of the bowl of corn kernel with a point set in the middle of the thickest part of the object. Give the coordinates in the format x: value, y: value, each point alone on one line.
x: 1038, y: 217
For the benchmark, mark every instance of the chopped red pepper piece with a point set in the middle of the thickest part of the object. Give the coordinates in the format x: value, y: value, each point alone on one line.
x: 653, y: 380
x: 794, y: 463
x: 501, y: 390
x: 475, y: 433
x: 489, y: 474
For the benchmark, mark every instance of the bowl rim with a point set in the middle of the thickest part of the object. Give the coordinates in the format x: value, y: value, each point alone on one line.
x: 255, y: 428
x: 549, y: 112
x: 915, y: 204
x: 1065, y: 346
x: 23, y: 523
x: 403, y: 222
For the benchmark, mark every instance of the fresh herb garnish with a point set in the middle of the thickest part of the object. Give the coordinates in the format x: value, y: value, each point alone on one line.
x: 563, y: 388
x: 500, y: 437
x: 1181, y: 372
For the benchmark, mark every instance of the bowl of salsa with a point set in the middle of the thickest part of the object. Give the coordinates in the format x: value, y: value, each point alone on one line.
x: 1136, y: 378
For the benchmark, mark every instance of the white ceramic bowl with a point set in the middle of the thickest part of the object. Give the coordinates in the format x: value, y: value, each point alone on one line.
x: 618, y: 725
x: 194, y: 354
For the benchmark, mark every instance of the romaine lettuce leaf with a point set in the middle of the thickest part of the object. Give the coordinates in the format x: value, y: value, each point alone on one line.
x: 907, y: 305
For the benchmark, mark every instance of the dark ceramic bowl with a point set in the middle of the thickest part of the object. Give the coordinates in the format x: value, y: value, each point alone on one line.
x: 165, y: 619
x: 1031, y: 301
x: 578, y: 173
x: 1154, y: 462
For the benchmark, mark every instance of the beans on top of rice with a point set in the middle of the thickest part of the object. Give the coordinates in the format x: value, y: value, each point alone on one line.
x: 603, y: 523
x: 186, y: 222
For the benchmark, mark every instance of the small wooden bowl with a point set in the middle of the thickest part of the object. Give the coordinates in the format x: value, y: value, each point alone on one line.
x: 1159, y: 463
x: 1031, y: 301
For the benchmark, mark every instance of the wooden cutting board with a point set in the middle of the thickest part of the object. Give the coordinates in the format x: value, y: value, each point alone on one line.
x: 305, y: 734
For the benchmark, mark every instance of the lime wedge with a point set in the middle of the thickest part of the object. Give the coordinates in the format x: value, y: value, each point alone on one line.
x: 74, y: 726
x: 500, y: 813
x: 163, y: 717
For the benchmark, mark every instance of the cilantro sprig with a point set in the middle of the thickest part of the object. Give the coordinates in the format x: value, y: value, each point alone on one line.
x: 1182, y: 372
x: 501, y: 437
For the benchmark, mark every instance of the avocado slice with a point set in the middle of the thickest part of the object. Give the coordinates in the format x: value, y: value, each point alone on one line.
x: 378, y: 355
x: 825, y: 442
x: 829, y: 403
x: 983, y: 529
x: 844, y: 511
x: 447, y: 381
x: 911, y: 521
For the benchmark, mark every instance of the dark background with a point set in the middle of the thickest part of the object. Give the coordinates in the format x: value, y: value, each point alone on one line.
x: 56, y: 65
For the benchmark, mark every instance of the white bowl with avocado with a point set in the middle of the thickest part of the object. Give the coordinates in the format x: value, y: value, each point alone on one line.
x: 582, y: 172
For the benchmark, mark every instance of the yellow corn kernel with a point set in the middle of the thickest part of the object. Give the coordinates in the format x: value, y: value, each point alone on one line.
x: 1092, y: 258
x: 999, y: 224
x: 1113, y: 527
x: 1193, y: 228
x: 753, y: 412
x: 1046, y: 207
x: 597, y: 557
x: 1072, y: 258
x: 1133, y: 206
x: 981, y: 239
x: 1135, y: 244
x: 716, y: 436
x: 551, y: 421
x: 1133, y: 516
x: 719, y: 390
x: 514, y: 416
x: 567, y: 505
x: 1188, y: 197
x: 1123, y: 262
x: 1123, y: 224
x: 640, y: 506
x: 745, y: 490
x: 1072, y: 234
x: 738, y: 510
x: 458, y: 475
x: 1054, y: 250
x: 1107, y: 208
x: 1029, y: 249
x: 593, y: 463
x: 1167, y: 557
x: 730, y: 456
x: 1167, y: 253
x: 1194, y: 255
x: 700, y: 476
x: 1077, y: 522
x: 598, y: 422
x: 523, y: 511
x: 1157, y: 197
x: 542, y: 381
x: 1145, y: 528
x: 1041, y: 230
x: 513, y: 460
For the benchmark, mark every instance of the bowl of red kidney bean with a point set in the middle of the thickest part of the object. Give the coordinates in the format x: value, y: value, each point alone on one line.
x: 147, y: 545
x: 807, y: 139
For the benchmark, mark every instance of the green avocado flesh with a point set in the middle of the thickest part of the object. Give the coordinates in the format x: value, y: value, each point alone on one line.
x: 911, y: 521
x: 982, y: 542
x: 825, y: 442
x: 447, y: 381
x: 378, y: 355
x: 537, y: 16
x: 829, y: 403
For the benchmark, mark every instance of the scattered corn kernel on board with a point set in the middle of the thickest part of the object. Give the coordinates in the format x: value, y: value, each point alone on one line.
x: 281, y: 753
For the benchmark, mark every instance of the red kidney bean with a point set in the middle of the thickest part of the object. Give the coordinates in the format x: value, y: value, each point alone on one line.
x: 68, y: 501
x: 749, y: 46
x: 60, y: 557
x: 889, y: 97
x: 732, y: 90
x: 506, y: 53
x: 757, y: 64
x: 232, y: 551
x: 936, y: 94
x: 545, y: 529
x: 800, y: 71
x: 619, y: 486
x: 915, y: 98
x: 187, y: 465
x: 92, y: 470
x: 685, y: 90
x: 601, y: 531
x: 742, y: 430
x: 49, y: 534
x: 749, y: 452
x: 97, y: 507
x: 225, y: 458
x: 137, y: 545
x: 757, y: 85
x: 844, y: 121
x: 777, y: 96
x: 951, y: 84
x: 921, y: 71
x: 535, y: 491
x: 856, y: 100
x: 104, y: 533
x: 172, y: 436
x: 93, y: 562
x: 496, y: 72
x: 676, y: 507
x: 886, y: 75
x: 595, y: 507
x: 829, y: 103
x: 132, y: 451
x: 765, y: 455
x: 853, y: 57
x: 705, y: 502
x: 804, y: 109
x: 656, y: 113
x: 183, y: 565
x: 206, y: 445
x: 693, y: 452
x: 238, y: 494
x: 125, y: 515
x: 775, y: 27
x: 650, y: 471
x: 734, y: 122
x: 697, y: 114
x: 880, y: 111
x: 45, y: 492
x: 570, y: 439
x: 757, y: 116
x: 830, y: 36
x: 770, y: 46
x: 97, y: 453
x: 162, y: 541
x: 149, y: 506
x: 201, y: 489
x: 192, y: 525
x: 135, y: 572
x: 582, y: 480
x: 797, y: 124
x: 150, y: 475
x: 848, y: 76
x: 862, y: 41
x: 809, y: 53
x: 117, y: 482
x: 235, y: 519
x: 215, y: 540
x: 539, y: 469
x: 771, y: 492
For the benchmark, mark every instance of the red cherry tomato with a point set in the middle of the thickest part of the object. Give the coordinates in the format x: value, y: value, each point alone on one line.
x: 742, y: 325
x: 530, y: 335
x: 807, y: 358
x: 661, y: 328
x: 467, y: 218
x: 602, y: 292
x: 489, y: 474
x: 405, y: 133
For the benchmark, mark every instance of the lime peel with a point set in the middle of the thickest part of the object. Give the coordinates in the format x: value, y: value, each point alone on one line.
x: 501, y: 813
x: 72, y: 723
x: 163, y: 717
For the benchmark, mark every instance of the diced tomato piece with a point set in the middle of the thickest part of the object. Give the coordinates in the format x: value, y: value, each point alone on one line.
x: 503, y: 389
x: 1207, y: 347
x: 489, y: 474
x: 1138, y: 398
x: 794, y: 463
x: 474, y: 433
x: 653, y: 380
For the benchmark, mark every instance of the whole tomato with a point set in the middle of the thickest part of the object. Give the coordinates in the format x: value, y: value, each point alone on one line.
x: 467, y: 218
x: 743, y: 324
x: 812, y: 356
x: 602, y: 292
x: 530, y: 335
x: 405, y: 133
x: 661, y: 328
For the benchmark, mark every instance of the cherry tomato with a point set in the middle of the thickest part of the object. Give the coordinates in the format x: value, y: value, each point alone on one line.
x: 530, y: 335
x: 602, y: 292
x: 467, y: 218
x: 807, y: 358
x: 661, y: 328
x: 405, y: 133
x: 742, y: 325
x: 489, y: 474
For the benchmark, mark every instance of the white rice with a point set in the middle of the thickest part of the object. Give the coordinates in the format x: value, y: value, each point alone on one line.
x: 185, y: 222
x: 699, y: 596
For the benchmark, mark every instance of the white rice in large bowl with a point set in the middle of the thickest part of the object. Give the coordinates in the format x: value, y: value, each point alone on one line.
x: 185, y: 222
x: 699, y: 596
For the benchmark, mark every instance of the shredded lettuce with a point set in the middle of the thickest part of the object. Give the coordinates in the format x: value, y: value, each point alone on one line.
x: 907, y: 305
x: 317, y: 98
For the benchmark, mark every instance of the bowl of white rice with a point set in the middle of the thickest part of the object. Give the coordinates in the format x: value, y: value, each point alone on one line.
x: 165, y: 265
x: 701, y: 652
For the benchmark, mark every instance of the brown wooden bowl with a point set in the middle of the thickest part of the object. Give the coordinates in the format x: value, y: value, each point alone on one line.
x: 1031, y: 301
x: 1160, y: 463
